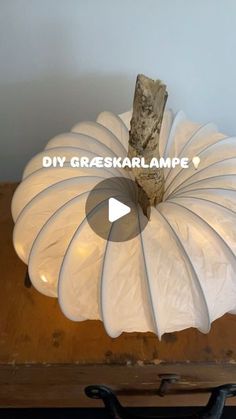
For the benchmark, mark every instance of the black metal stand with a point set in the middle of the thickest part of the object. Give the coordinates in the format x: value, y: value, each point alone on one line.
x: 213, y: 409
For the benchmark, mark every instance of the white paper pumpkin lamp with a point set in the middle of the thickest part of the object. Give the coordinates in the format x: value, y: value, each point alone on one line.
x: 179, y: 272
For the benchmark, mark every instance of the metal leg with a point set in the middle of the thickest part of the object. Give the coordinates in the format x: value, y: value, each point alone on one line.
x: 110, y: 401
x: 213, y: 409
x: 215, y: 406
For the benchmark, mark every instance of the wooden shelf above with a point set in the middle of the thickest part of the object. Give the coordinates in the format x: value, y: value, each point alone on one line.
x: 46, y: 360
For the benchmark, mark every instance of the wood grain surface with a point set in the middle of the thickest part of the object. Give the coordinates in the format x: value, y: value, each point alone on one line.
x: 41, y: 349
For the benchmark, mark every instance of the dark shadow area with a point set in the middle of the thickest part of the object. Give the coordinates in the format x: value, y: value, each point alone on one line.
x: 63, y: 413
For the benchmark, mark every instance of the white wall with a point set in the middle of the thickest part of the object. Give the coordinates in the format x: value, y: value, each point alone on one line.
x: 62, y: 61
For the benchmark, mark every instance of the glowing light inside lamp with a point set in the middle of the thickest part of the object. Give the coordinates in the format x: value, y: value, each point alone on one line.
x: 44, y: 279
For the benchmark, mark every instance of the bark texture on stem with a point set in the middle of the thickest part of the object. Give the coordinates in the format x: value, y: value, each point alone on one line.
x: 148, y: 109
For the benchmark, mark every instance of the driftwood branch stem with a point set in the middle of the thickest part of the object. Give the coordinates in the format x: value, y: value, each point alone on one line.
x: 148, y: 108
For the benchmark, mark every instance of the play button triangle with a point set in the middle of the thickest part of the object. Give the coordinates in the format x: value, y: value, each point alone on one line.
x: 117, y: 209
x: 106, y: 205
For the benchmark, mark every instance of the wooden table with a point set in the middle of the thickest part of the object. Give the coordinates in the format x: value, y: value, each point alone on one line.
x: 47, y: 360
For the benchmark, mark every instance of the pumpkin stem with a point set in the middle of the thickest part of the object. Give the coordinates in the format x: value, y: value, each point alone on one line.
x: 148, y: 108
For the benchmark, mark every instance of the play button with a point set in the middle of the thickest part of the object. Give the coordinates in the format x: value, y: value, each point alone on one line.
x: 117, y: 210
x: 113, y: 211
